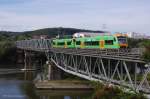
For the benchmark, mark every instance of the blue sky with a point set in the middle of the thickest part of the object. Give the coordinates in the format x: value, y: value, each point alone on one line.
x: 117, y: 15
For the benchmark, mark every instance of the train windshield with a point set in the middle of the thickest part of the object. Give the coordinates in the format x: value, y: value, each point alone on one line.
x: 122, y: 39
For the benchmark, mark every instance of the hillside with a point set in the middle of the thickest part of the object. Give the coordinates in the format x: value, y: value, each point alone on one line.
x: 52, y: 32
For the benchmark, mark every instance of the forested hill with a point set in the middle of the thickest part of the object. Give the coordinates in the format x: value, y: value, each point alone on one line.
x: 51, y: 32
x: 60, y: 31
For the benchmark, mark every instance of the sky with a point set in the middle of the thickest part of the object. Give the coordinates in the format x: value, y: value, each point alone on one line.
x: 111, y: 15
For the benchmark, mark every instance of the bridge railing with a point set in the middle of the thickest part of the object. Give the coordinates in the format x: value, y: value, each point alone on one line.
x: 133, y: 54
x: 34, y: 44
x: 44, y: 45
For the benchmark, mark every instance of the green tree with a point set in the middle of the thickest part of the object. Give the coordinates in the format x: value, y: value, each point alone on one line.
x: 146, y: 54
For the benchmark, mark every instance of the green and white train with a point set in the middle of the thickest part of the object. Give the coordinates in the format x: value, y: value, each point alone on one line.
x: 98, y: 42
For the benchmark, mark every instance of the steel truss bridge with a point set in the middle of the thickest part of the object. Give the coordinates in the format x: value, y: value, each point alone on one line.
x: 122, y: 67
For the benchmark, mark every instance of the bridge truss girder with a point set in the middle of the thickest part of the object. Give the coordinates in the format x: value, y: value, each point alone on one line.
x: 120, y: 72
x: 118, y: 66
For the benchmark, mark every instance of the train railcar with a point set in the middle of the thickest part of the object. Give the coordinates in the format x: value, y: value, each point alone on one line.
x: 108, y: 42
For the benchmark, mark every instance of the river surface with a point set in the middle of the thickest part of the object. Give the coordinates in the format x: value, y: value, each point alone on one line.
x: 20, y: 86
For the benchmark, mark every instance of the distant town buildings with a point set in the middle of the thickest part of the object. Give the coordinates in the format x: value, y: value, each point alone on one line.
x: 133, y: 35
x: 137, y: 35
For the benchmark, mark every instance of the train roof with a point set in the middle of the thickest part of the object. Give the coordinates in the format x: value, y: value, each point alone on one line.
x: 86, y: 38
x: 96, y: 37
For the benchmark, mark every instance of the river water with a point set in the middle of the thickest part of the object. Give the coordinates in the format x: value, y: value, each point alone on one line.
x: 20, y: 86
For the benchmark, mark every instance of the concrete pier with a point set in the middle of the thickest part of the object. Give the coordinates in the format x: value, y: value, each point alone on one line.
x: 54, y: 73
x: 63, y: 85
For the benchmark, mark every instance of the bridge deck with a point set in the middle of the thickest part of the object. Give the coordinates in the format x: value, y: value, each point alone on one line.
x: 121, y: 54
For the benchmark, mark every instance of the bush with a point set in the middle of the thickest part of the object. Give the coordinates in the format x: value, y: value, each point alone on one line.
x: 111, y: 92
x: 146, y: 54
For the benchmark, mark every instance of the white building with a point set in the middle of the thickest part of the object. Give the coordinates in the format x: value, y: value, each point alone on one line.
x: 136, y: 35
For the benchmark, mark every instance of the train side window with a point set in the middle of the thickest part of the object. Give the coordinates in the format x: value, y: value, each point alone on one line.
x: 95, y: 43
x: 61, y: 43
x: 109, y: 42
x: 88, y: 43
x: 68, y: 43
x: 78, y: 42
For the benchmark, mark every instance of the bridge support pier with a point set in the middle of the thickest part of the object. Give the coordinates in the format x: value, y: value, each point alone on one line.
x: 54, y: 73
x: 27, y: 60
x: 20, y: 57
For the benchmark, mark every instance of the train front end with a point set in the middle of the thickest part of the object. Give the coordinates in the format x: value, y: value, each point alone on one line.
x: 122, y: 40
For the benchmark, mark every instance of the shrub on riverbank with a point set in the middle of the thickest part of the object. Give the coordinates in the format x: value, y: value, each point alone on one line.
x: 7, y: 52
x: 146, y: 54
x: 141, y: 43
x: 111, y: 92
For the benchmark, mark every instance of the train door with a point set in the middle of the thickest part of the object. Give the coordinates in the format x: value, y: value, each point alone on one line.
x: 65, y: 45
x: 82, y: 44
x: 73, y: 43
x: 101, y: 44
